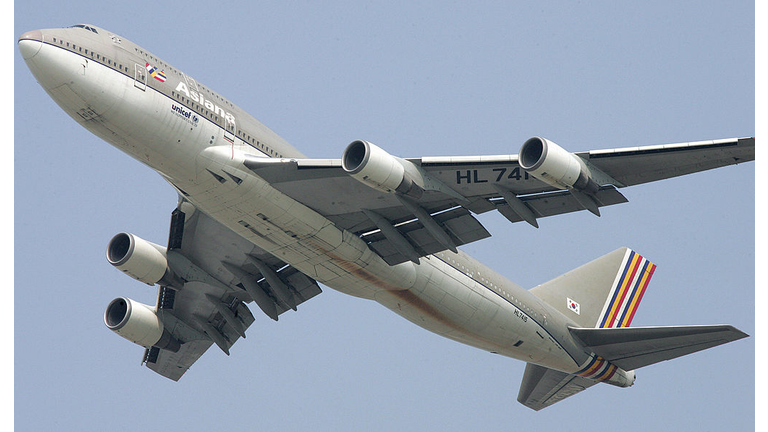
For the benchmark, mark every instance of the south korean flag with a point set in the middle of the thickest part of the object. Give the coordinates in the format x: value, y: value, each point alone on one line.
x: 574, y: 307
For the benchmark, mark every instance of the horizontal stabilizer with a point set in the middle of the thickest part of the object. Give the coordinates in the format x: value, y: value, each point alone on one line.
x: 542, y: 387
x: 634, y: 347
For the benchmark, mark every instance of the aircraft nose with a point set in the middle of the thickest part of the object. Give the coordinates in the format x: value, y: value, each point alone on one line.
x: 30, y: 43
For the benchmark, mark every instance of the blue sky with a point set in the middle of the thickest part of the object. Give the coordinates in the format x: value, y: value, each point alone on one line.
x: 424, y: 79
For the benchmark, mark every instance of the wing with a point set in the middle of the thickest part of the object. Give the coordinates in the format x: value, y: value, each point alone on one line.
x: 219, y: 272
x: 542, y: 387
x: 401, y: 225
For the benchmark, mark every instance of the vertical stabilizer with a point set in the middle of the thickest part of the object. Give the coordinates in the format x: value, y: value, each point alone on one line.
x: 604, y: 293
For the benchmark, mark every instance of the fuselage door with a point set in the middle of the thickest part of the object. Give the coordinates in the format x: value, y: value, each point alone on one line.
x: 140, y: 77
x: 229, y: 129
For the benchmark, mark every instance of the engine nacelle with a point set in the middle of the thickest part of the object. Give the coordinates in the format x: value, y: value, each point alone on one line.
x: 139, y: 324
x: 555, y: 166
x: 139, y: 259
x: 380, y: 170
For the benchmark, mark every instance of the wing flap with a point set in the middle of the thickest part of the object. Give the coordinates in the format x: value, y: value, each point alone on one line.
x: 542, y: 387
x: 631, y: 348
x: 215, y: 249
x: 557, y: 203
x: 462, y: 227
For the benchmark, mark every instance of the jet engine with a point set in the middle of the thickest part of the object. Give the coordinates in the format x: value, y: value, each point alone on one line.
x: 139, y: 259
x: 380, y: 170
x: 139, y: 324
x: 555, y: 166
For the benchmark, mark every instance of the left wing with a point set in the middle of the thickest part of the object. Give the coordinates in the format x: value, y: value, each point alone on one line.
x: 408, y: 208
x: 219, y: 273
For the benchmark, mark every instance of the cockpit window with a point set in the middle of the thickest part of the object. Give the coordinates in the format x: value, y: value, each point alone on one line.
x: 85, y: 27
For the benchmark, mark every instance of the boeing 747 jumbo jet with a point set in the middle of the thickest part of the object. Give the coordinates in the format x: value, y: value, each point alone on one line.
x: 258, y: 224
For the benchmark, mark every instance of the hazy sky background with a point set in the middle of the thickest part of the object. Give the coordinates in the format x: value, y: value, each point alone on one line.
x: 425, y: 79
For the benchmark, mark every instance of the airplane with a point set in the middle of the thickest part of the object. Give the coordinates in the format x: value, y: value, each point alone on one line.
x: 257, y: 223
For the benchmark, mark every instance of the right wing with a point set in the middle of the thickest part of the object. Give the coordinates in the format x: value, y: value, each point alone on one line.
x: 219, y: 273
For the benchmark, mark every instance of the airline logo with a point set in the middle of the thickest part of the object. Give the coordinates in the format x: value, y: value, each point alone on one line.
x: 199, y: 98
x: 156, y: 74
x: 627, y: 291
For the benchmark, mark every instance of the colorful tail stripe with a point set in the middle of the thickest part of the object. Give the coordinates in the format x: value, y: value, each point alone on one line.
x: 597, y: 369
x: 631, y: 281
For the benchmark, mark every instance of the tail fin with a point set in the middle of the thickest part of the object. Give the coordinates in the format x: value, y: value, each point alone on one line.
x: 604, y: 293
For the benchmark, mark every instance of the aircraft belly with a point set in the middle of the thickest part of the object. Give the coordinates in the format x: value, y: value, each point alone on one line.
x: 451, y: 304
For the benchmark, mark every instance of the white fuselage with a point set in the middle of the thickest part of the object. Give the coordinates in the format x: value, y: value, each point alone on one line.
x: 186, y: 132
